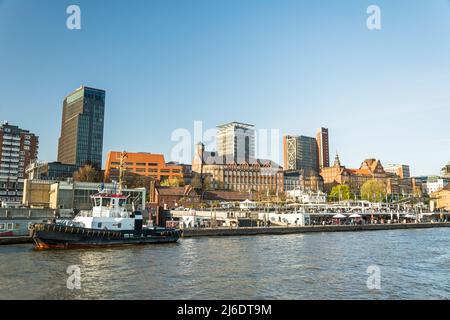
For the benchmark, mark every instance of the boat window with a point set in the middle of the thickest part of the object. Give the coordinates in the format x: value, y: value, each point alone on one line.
x: 106, y: 202
x: 98, y: 202
x: 10, y: 226
x: 119, y: 225
x: 99, y: 225
x: 2, y: 226
x: 122, y: 202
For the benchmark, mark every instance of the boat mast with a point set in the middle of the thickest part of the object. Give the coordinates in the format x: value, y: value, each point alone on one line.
x: 123, y: 157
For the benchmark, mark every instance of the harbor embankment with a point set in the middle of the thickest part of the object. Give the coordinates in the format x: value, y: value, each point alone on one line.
x: 275, y: 230
x: 15, y: 240
x: 247, y: 231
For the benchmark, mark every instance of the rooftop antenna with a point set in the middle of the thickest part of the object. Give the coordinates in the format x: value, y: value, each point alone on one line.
x: 122, y: 169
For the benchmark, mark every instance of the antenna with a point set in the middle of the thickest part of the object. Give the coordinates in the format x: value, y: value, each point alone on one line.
x: 122, y: 169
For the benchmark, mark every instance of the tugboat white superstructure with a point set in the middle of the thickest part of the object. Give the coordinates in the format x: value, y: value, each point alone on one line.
x: 109, y: 223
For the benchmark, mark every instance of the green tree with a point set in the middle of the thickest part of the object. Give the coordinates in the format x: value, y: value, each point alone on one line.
x: 207, y: 184
x: 133, y: 180
x: 196, y: 183
x: 417, y: 192
x: 172, y: 182
x: 341, y: 192
x: 374, y: 190
x: 88, y: 173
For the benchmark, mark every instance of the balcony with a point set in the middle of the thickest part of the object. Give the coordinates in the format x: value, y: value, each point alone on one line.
x: 10, y: 154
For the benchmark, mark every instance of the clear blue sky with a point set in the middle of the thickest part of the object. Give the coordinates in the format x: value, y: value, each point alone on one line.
x: 288, y: 65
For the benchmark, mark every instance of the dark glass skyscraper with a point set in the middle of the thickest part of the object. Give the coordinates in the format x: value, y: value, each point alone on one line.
x: 300, y: 152
x: 81, y: 140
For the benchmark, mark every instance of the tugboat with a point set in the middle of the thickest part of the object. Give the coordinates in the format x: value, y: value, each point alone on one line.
x: 109, y: 223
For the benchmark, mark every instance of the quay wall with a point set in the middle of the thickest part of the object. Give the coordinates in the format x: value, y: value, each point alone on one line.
x: 15, y: 240
x: 202, y: 232
x: 216, y: 232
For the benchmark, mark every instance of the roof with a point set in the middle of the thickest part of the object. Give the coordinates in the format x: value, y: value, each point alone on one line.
x: 139, y: 157
x: 219, y: 195
x: 223, y: 195
x: 175, y: 191
x: 363, y: 172
x: 370, y: 163
x: 268, y: 162
x: 235, y: 123
x: 212, y: 157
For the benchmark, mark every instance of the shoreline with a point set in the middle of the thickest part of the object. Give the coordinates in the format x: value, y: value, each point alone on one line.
x: 15, y: 240
x: 274, y: 230
x: 279, y: 230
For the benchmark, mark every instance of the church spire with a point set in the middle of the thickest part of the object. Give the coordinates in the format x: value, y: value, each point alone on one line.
x: 337, y: 162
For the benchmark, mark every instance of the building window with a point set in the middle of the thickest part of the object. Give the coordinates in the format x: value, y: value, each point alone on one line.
x: 140, y: 164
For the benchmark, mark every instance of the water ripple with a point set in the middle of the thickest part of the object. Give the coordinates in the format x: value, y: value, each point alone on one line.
x: 414, y: 264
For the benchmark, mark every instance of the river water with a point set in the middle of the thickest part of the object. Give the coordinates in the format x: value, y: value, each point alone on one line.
x: 412, y: 264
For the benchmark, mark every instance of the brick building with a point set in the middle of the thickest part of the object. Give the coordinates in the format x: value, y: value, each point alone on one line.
x: 142, y: 163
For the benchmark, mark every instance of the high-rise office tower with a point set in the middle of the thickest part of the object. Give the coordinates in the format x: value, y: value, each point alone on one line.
x: 401, y: 170
x: 323, y: 148
x: 81, y: 140
x: 236, y: 142
x: 300, y: 152
x: 18, y: 149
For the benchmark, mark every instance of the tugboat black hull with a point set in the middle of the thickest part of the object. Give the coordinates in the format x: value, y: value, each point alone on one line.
x: 53, y: 236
